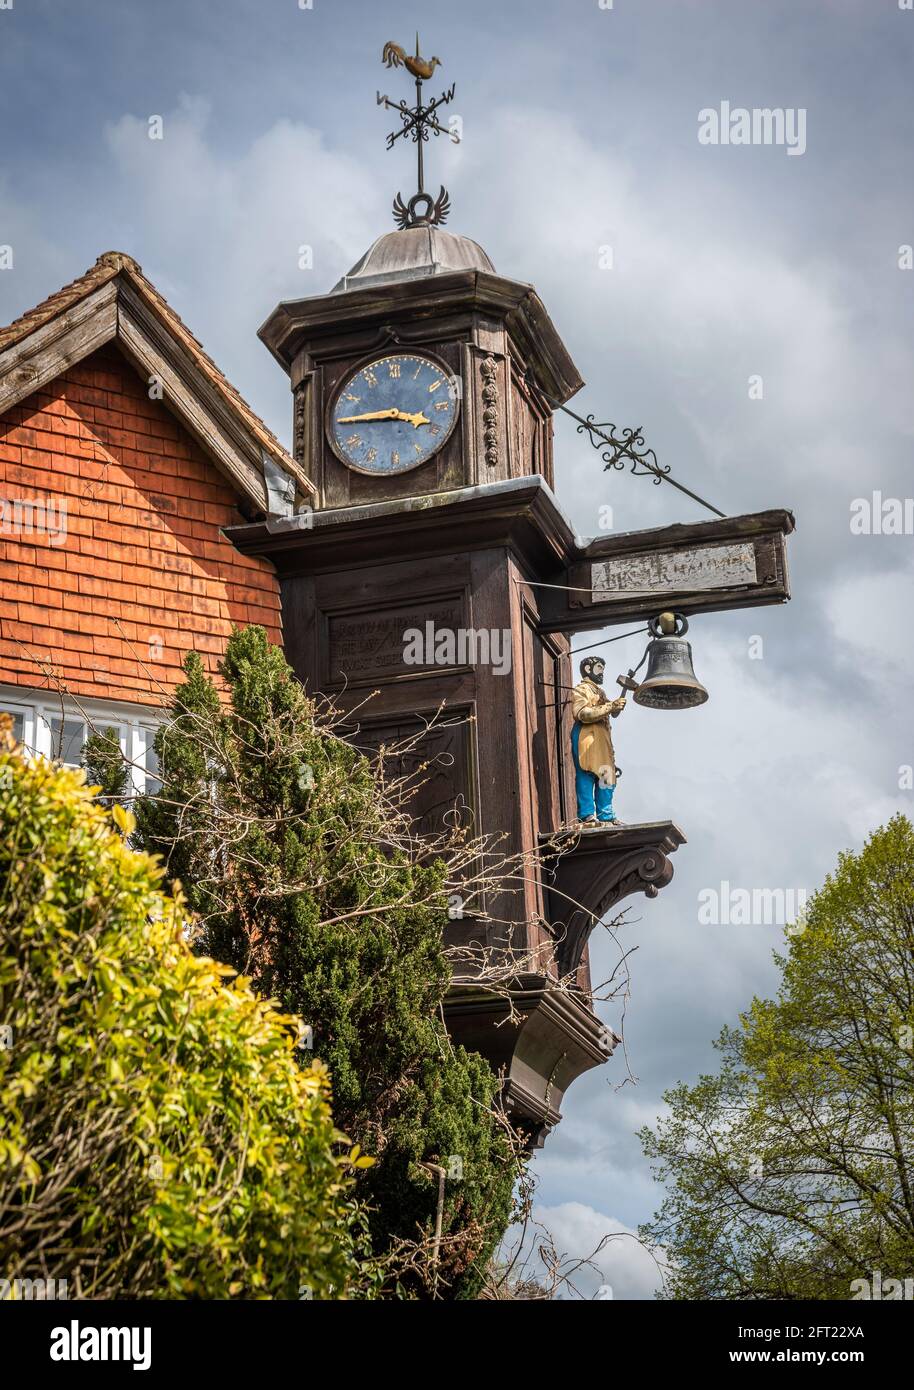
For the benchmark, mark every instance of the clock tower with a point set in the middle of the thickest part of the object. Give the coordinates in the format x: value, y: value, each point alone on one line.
x: 413, y: 375
x: 419, y: 385
x: 423, y: 385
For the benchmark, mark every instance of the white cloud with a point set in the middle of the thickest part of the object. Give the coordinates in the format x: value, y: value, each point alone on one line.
x: 225, y: 229
x: 869, y: 614
x: 600, y: 1256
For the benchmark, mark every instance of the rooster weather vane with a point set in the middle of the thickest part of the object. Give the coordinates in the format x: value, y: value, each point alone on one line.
x: 422, y: 210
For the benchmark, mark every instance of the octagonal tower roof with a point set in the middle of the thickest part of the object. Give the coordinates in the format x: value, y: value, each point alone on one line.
x: 413, y: 254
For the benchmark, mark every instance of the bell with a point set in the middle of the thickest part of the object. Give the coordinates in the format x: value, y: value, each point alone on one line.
x: 670, y: 682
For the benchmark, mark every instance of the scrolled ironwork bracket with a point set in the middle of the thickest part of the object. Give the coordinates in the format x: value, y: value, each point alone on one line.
x: 620, y: 450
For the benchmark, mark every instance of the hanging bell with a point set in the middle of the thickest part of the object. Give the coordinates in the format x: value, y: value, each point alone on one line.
x: 670, y: 682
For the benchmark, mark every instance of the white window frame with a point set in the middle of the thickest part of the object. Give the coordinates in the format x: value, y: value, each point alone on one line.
x: 136, y: 725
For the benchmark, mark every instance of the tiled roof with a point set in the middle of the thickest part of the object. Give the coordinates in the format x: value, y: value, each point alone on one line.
x: 111, y: 264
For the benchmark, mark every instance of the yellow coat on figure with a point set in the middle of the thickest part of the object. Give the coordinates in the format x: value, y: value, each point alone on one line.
x: 591, y: 709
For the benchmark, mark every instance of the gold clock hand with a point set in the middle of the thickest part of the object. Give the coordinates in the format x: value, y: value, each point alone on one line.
x: 415, y: 420
x: 368, y: 415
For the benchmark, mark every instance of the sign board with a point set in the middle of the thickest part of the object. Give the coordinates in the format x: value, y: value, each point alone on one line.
x: 672, y: 571
x: 736, y: 562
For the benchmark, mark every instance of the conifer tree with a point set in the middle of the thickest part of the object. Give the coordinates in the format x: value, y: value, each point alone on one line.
x: 307, y: 879
x: 106, y: 767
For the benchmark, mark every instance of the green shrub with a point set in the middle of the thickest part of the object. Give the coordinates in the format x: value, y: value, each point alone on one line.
x: 159, y: 1136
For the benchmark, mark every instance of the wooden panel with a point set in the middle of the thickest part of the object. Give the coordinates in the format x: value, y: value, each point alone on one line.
x: 531, y: 715
x: 545, y: 699
x: 736, y: 562
x: 48, y: 352
x: 504, y: 767
x: 367, y: 646
x: 488, y: 408
x: 438, y: 762
x: 362, y: 616
x: 354, y: 618
x: 299, y: 622
x: 549, y: 747
x: 342, y: 486
x: 391, y: 581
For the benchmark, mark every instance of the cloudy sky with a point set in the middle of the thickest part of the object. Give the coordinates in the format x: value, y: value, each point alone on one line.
x: 729, y: 263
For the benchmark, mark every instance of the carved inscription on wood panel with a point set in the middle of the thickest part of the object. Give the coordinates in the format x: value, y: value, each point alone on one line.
x: 674, y: 571
x: 366, y: 647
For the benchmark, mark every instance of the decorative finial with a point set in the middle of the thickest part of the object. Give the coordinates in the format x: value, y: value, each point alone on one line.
x: 422, y: 210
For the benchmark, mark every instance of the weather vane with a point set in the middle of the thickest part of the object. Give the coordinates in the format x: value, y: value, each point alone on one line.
x: 422, y: 210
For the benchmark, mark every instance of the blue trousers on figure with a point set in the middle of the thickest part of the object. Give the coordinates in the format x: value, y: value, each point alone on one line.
x: 593, y: 798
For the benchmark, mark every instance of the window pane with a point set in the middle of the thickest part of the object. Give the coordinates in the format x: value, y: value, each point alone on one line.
x: 151, y: 764
x: 18, y: 719
x: 67, y: 739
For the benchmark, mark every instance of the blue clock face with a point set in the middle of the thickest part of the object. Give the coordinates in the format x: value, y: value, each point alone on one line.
x: 393, y: 414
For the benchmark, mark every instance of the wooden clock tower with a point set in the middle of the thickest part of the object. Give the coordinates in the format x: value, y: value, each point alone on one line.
x: 421, y: 324
x: 423, y: 388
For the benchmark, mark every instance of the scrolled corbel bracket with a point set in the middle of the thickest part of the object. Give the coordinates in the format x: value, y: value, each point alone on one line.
x: 586, y: 872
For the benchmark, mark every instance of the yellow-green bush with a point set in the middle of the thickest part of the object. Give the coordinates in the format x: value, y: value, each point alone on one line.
x: 158, y: 1136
